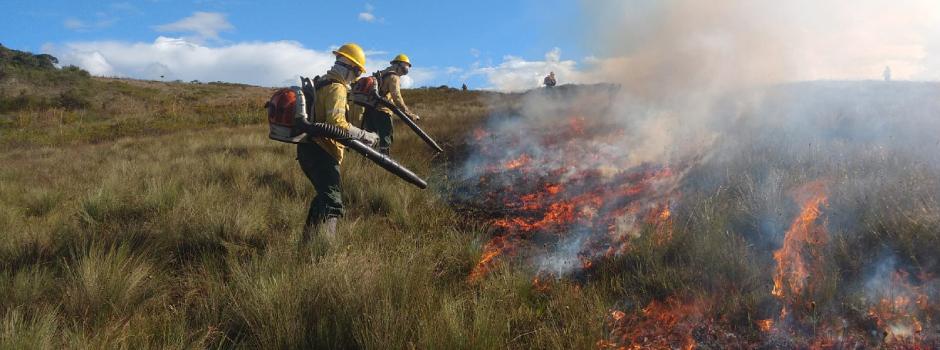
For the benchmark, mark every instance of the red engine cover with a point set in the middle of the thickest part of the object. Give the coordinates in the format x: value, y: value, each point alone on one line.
x: 281, y: 107
x: 364, y: 85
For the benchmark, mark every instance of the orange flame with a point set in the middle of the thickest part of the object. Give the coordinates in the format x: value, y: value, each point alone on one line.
x: 660, y: 325
x: 765, y: 325
x: 898, y: 312
x: 518, y: 162
x: 563, y: 199
x: 541, y: 285
x: 660, y: 218
x: 495, y: 247
x: 792, y: 271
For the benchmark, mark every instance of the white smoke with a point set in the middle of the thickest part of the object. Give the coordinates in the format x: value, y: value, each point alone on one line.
x: 704, y: 78
x: 704, y: 44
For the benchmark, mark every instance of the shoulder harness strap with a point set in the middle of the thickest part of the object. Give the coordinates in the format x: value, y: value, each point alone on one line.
x: 320, y: 82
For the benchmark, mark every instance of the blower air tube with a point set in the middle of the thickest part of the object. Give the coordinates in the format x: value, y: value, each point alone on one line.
x: 365, y: 94
x: 387, y: 163
x: 411, y: 124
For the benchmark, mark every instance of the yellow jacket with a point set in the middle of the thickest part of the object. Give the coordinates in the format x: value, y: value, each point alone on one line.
x: 330, y: 107
x: 354, y: 114
x: 390, y: 88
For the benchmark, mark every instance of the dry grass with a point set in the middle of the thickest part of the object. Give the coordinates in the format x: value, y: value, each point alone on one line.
x: 190, y: 240
x: 92, y: 110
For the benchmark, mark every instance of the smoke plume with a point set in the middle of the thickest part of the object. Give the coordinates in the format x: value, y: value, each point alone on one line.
x: 717, y: 114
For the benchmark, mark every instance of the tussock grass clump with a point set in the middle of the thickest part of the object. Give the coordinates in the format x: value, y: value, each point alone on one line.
x: 104, y: 282
x: 29, y: 328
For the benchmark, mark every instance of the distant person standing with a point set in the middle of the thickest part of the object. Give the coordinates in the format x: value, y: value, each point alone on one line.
x: 379, y: 120
x: 887, y: 73
x: 550, y: 80
x: 464, y: 87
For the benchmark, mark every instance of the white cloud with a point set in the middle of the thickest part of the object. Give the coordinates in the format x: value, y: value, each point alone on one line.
x: 94, y: 63
x: 420, y: 76
x: 260, y: 63
x: 369, y: 52
x: 407, y: 82
x: 74, y: 24
x: 517, y: 74
x: 125, y: 7
x: 202, y: 26
x: 78, y: 25
x: 366, y: 17
x: 369, y: 15
x: 553, y: 56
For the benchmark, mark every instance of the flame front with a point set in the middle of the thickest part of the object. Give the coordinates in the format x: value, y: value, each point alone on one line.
x: 565, y: 202
x: 796, y: 255
x: 566, y: 205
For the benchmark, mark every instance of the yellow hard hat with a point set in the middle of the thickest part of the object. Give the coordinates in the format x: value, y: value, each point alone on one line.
x: 354, y: 53
x: 401, y: 58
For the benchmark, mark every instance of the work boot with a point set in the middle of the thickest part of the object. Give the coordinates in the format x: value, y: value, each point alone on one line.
x: 329, y: 227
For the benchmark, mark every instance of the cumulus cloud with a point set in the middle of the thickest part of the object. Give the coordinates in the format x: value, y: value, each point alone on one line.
x: 366, y: 17
x: 176, y: 58
x: 201, y: 26
x: 276, y: 63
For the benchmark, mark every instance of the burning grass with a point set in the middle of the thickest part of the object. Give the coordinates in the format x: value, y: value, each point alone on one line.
x: 804, y: 229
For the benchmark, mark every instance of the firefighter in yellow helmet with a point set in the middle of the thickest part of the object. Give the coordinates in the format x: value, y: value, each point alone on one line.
x: 379, y: 119
x: 320, y: 157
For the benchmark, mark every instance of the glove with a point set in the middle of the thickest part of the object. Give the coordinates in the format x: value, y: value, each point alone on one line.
x: 368, y: 138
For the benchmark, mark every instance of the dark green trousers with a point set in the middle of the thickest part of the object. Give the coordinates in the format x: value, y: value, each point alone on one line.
x: 376, y: 121
x: 323, y: 171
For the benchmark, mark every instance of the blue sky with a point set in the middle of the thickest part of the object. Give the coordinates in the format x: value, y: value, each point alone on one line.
x: 445, y: 39
x: 502, y: 45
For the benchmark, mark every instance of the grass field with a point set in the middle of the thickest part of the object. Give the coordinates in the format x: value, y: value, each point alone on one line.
x: 159, y: 215
x: 184, y: 235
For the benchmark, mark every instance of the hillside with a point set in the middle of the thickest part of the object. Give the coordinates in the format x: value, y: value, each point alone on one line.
x: 796, y: 216
x: 41, y: 105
